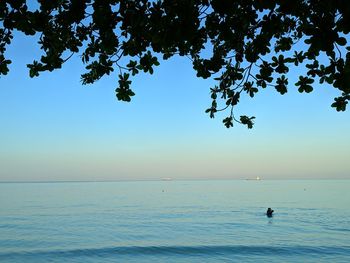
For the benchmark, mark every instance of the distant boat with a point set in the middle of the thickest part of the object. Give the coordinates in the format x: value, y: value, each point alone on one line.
x: 254, y: 179
x: 167, y: 179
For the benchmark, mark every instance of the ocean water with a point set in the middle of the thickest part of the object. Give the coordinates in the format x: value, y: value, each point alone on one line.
x: 176, y: 221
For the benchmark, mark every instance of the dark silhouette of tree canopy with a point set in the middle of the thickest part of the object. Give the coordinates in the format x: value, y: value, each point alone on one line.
x: 245, y: 45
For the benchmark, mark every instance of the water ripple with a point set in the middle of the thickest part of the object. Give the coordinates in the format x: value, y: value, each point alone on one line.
x: 185, y: 250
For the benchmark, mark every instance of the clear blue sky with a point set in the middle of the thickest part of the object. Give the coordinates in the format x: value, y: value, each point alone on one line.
x: 53, y: 128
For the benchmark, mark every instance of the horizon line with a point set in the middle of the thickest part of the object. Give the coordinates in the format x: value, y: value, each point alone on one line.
x: 163, y: 180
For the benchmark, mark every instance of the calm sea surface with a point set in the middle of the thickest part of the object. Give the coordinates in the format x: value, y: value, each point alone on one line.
x: 175, y: 221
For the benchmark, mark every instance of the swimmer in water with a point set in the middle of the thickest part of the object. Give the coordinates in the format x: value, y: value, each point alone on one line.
x: 269, y: 212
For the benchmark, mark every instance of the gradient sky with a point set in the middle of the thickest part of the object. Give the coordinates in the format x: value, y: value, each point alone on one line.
x: 53, y: 128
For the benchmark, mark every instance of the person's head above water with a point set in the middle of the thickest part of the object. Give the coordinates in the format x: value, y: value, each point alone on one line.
x: 269, y: 212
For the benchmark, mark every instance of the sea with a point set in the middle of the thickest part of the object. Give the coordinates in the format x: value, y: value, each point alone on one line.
x: 176, y: 221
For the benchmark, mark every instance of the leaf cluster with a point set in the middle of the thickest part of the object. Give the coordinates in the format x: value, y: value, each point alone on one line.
x: 252, y: 43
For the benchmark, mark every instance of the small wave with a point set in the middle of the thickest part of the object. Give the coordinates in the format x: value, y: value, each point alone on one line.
x: 338, y: 229
x: 185, y: 250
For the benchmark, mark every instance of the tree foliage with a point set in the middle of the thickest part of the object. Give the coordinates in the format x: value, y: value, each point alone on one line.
x: 245, y: 45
